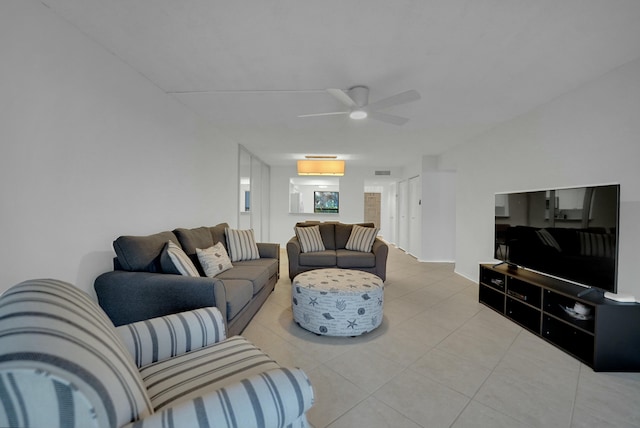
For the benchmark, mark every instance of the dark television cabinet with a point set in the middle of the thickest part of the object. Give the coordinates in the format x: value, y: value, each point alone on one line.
x: 607, y: 340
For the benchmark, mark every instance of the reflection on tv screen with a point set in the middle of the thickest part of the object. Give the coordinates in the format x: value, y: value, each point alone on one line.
x: 570, y: 233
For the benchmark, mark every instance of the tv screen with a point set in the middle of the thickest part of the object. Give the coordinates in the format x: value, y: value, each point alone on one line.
x: 325, y: 202
x: 570, y: 233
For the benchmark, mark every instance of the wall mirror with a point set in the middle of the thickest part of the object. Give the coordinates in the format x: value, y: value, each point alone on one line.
x: 319, y: 195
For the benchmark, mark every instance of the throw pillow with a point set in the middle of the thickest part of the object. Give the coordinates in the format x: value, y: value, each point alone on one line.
x: 597, y: 244
x: 180, y: 260
x: 362, y: 238
x: 241, y: 244
x: 310, y: 239
x: 548, y: 239
x: 214, y: 260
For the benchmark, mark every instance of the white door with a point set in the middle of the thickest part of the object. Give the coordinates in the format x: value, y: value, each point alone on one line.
x: 403, y: 215
x: 415, y: 233
x: 393, y: 213
x: 372, y: 206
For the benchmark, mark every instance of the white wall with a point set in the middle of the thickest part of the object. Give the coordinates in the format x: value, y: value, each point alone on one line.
x: 438, y: 216
x: 91, y: 150
x: 588, y: 136
x: 352, y: 187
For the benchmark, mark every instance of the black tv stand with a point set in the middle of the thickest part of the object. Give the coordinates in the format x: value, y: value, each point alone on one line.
x: 606, y: 337
x: 590, y: 290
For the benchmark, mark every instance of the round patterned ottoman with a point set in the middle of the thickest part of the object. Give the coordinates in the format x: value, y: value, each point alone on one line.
x: 337, y: 302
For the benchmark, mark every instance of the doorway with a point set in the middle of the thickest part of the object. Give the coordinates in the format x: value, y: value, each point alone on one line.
x: 403, y: 217
x: 372, y: 208
x: 414, y: 211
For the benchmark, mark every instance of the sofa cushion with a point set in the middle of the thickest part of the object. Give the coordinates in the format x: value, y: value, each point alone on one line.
x: 355, y: 259
x: 241, y: 244
x: 361, y: 238
x: 142, y: 253
x: 271, y: 265
x: 257, y: 275
x: 325, y: 258
x: 310, y: 239
x: 214, y: 260
x: 180, y: 260
x: 343, y: 232
x: 328, y: 231
x: 184, y: 377
x: 218, y: 234
x: 239, y: 293
x: 190, y: 239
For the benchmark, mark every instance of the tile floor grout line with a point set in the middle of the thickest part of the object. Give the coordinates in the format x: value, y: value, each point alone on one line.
x: 522, y: 330
x: 575, y: 395
x: 452, y: 316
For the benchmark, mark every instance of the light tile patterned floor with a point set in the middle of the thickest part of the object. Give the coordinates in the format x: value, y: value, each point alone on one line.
x: 441, y: 359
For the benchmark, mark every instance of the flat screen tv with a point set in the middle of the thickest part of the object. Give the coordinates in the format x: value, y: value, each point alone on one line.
x: 326, y: 202
x: 568, y: 233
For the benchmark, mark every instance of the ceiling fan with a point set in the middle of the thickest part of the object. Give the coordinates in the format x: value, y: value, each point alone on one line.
x: 357, y: 101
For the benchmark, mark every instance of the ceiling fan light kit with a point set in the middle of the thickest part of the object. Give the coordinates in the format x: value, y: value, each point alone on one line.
x: 357, y: 100
x: 358, y: 114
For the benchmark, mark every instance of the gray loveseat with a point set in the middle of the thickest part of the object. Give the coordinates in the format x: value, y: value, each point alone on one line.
x: 334, y: 237
x: 140, y: 288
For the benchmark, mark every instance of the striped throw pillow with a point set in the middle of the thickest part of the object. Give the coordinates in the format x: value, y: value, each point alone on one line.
x: 548, y: 239
x: 181, y: 261
x: 362, y: 238
x: 241, y: 244
x: 310, y: 239
x: 214, y: 260
x: 597, y: 244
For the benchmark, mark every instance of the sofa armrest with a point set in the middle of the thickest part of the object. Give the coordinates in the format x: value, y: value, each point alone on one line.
x: 381, y: 250
x: 268, y: 250
x: 160, y: 338
x: 128, y: 297
x: 293, y: 254
x: 274, y: 399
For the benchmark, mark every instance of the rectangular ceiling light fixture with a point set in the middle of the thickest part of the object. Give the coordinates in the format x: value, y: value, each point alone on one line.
x: 321, y: 167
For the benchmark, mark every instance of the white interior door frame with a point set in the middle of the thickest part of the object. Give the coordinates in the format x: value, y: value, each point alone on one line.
x: 414, y: 211
x: 403, y: 215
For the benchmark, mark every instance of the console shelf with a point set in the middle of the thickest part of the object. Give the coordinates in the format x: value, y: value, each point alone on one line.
x: 601, y: 333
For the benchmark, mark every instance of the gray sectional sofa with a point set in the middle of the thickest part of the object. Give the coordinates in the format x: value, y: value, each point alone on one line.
x: 141, y: 288
x: 334, y: 237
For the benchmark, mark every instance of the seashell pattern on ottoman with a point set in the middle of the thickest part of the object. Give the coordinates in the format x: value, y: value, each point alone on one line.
x: 337, y: 302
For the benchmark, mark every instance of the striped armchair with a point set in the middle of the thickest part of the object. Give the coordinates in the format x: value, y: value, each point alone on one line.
x: 64, y: 364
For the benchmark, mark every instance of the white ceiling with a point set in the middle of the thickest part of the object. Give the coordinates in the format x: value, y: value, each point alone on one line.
x: 252, y: 66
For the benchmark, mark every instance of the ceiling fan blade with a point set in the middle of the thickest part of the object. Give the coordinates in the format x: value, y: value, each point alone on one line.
x: 332, y: 113
x: 342, y: 96
x: 394, y: 100
x: 388, y: 118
